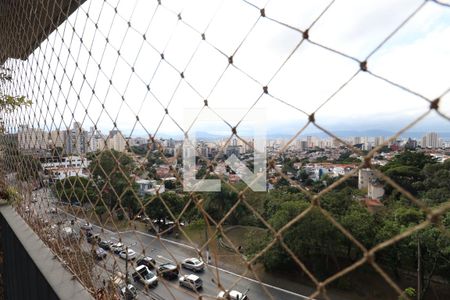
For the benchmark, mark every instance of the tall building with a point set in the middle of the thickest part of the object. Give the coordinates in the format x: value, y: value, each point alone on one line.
x: 79, y: 139
x: 379, y: 140
x: 116, y: 141
x: 430, y: 140
x: 57, y: 139
x: 96, y: 141
x: 411, y: 144
x: 303, y: 145
x: 32, y: 138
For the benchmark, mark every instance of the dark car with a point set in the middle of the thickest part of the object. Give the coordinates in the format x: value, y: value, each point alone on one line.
x: 89, y: 233
x: 94, y: 239
x: 168, y: 271
x: 99, y: 253
x: 146, y: 261
x: 105, y: 244
x: 167, y: 227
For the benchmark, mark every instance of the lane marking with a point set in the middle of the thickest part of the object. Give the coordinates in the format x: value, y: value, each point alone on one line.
x: 164, y: 258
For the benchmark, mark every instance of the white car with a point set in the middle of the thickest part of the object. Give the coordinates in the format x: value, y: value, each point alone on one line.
x: 144, y: 275
x: 131, y: 254
x: 129, y: 292
x: 117, y: 247
x: 231, y: 295
x: 193, y: 264
x: 191, y: 281
x: 86, y: 226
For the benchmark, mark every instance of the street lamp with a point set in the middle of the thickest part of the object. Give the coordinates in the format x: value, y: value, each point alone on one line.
x: 127, y: 281
x: 126, y: 257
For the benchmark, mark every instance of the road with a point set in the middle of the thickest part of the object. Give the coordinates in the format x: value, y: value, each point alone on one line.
x: 163, y: 251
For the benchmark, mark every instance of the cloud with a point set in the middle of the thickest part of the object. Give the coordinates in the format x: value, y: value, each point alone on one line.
x: 115, y: 72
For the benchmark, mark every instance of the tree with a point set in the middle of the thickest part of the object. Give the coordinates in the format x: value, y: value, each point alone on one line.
x: 435, y: 254
x: 28, y: 168
x: 155, y: 208
x: 139, y: 150
x: 345, y: 158
x: 411, y: 159
x: 129, y: 200
x: 76, y: 189
x: 100, y: 210
x: 111, y: 171
x: 408, y: 177
x: 169, y: 184
x: 109, y: 163
x: 217, y: 204
x: 362, y: 225
x: 9, y: 103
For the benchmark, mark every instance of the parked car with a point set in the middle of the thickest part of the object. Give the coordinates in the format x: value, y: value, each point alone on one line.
x: 68, y: 233
x: 128, y: 254
x: 86, y: 226
x: 191, y: 281
x: 231, y: 295
x: 144, y: 219
x: 94, y: 239
x: 117, y: 247
x: 105, y: 244
x: 168, y: 271
x: 99, y: 253
x: 146, y: 261
x: 145, y: 276
x: 162, y: 225
x: 128, y: 292
x: 193, y: 264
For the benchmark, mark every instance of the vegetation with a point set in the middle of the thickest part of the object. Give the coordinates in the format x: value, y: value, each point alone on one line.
x: 325, y: 250
x: 313, y: 238
x: 158, y: 207
x: 76, y: 189
x: 345, y: 158
x: 111, y: 172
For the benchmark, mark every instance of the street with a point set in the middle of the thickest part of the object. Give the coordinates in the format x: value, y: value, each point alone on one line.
x: 162, y: 250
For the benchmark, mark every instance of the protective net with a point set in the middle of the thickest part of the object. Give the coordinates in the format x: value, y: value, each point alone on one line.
x: 98, y: 97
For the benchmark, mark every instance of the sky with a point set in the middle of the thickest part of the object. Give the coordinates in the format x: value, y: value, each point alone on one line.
x: 93, y: 84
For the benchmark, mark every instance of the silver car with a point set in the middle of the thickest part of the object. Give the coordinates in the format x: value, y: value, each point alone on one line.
x: 191, y: 281
x: 193, y: 264
x: 231, y: 295
x: 144, y: 275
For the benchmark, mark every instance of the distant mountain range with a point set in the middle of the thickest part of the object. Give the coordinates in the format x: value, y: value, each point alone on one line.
x: 202, y: 135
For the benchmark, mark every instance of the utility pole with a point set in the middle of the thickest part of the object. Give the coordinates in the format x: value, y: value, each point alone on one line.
x: 207, y: 245
x: 419, y: 270
x: 126, y: 266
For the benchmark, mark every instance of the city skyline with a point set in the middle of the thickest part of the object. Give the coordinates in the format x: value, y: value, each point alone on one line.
x: 77, y: 140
